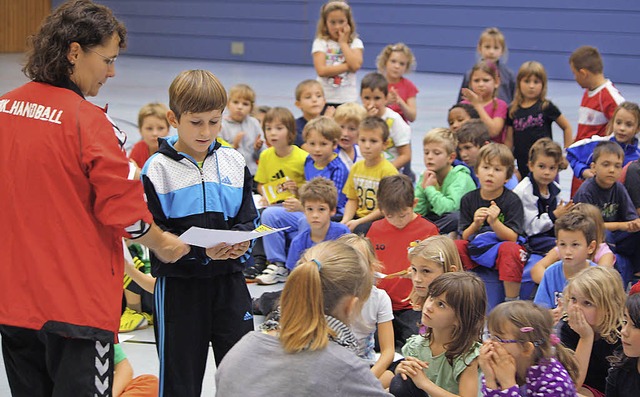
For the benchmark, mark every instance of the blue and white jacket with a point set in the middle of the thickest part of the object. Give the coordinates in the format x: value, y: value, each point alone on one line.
x: 180, y: 194
x: 580, y: 154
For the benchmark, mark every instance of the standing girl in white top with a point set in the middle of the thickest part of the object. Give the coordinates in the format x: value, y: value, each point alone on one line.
x: 337, y: 53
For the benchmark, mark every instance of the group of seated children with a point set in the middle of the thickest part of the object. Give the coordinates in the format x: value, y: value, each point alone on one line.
x: 335, y: 171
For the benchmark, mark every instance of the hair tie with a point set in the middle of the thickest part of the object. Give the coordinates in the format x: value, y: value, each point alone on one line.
x: 441, y: 256
x: 317, y: 263
x: 526, y: 329
x: 554, y: 339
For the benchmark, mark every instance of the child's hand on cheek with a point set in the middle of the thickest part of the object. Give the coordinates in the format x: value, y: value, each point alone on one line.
x: 579, y: 324
x: 504, y: 367
x: 486, y: 355
x: 429, y: 179
x: 493, y: 212
x: 372, y: 110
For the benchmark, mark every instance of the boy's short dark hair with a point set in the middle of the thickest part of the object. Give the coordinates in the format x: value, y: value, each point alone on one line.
x: 325, y: 126
x: 196, y: 91
x: 303, y: 85
x: 547, y: 147
x: 577, y: 222
x: 474, y: 131
x: 588, y: 58
x: 607, y: 147
x: 395, y: 194
x: 284, y: 116
x: 320, y: 189
x: 497, y: 151
x: 372, y: 123
x: 373, y: 81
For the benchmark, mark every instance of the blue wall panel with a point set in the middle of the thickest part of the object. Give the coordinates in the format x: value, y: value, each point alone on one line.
x: 442, y: 33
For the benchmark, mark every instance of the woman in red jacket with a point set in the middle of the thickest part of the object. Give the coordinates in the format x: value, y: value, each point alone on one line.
x: 67, y: 201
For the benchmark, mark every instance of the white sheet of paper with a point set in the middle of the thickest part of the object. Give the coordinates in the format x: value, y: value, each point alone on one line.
x: 208, y: 238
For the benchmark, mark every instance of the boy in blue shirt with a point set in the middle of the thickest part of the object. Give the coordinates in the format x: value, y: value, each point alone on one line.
x: 576, y: 241
x: 194, y: 181
x: 318, y: 198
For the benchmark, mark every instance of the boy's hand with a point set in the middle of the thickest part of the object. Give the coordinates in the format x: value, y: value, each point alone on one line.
x: 492, y: 213
x: 257, y: 145
x: 352, y: 224
x: 291, y: 186
x: 292, y: 204
x: 588, y: 173
x: 480, y: 216
x: 563, y: 208
x: 224, y: 251
x: 633, y: 226
x: 429, y: 179
x: 372, y: 110
x: 237, y: 140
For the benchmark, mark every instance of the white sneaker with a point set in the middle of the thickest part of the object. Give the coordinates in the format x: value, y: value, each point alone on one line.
x: 273, y: 274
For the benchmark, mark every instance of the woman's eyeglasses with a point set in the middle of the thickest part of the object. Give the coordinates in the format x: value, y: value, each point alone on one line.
x: 109, y: 61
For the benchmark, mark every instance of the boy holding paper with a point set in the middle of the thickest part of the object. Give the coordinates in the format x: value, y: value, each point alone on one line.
x: 194, y: 181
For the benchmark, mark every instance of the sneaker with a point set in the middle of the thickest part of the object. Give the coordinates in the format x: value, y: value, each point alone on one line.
x: 132, y: 320
x: 148, y: 317
x: 254, y: 271
x: 273, y: 274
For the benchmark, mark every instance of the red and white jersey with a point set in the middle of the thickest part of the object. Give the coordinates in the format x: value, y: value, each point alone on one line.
x: 596, y: 109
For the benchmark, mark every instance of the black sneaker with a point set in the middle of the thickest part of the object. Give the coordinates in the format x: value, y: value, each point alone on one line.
x: 254, y: 271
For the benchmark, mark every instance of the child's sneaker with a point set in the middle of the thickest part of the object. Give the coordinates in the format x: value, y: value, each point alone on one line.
x: 274, y: 273
x: 132, y: 320
x: 148, y: 317
x: 254, y: 271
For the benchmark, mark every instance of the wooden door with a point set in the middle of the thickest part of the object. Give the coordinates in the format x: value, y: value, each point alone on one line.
x: 18, y: 20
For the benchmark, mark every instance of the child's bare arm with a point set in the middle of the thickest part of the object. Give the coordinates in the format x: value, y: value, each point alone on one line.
x: 145, y: 281
x: 566, y: 129
x: 538, y: 269
x: 352, y: 56
x: 404, y: 156
x: 324, y: 70
x: 349, y: 210
x: 387, y: 348
x: 373, y: 216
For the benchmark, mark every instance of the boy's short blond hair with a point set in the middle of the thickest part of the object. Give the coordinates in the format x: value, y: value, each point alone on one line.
x: 326, y: 126
x: 320, y: 189
x: 196, y: 91
x: 153, y: 109
x: 442, y: 136
x: 588, y: 58
x: 243, y: 92
x: 395, y: 194
x: 350, y: 112
x: 500, y: 152
x: 372, y: 123
x: 306, y: 84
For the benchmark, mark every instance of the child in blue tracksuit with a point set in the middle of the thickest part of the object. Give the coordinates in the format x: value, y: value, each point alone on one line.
x: 194, y: 181
x: 622, y: 130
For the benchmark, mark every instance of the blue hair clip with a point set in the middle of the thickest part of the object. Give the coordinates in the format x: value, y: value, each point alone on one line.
x: 317, y: 263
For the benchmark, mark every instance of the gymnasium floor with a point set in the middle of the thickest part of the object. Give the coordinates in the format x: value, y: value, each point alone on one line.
x: 140, y: 80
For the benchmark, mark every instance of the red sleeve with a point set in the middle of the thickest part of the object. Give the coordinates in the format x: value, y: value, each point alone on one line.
x: 139, y: 153
x: 119, y: 201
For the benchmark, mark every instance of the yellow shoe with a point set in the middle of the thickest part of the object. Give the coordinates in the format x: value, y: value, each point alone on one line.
x: 132, y: 320
x: 148, y: 317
